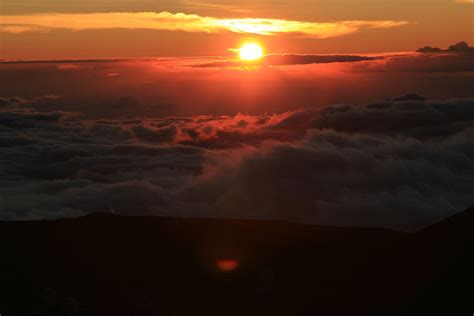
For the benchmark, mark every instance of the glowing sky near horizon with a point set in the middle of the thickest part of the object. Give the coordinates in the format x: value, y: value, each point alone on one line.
x: 53, y: 29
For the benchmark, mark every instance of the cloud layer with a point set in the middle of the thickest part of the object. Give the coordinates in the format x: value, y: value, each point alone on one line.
x: 289, y: 59
x: 183, y: 22
x: 401, y: 163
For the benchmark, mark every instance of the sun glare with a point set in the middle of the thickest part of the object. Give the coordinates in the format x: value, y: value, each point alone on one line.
x: 250, y: 51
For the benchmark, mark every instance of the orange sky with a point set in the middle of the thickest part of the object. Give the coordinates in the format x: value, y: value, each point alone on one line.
x: 54, y: 29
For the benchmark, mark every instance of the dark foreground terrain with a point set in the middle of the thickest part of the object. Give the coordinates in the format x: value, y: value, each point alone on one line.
x: 111, y: 265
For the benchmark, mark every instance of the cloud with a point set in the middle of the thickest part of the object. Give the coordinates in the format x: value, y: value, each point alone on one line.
x: 184, y: 22
x: 459, y: 48
x: 17, y: 29
x: 157, y: 88
x: 410, y: 97
x: 446, y: 62
x: 215, y: 6
x: 289, y: 59
x: 11, y: 101
x: 402, y: 163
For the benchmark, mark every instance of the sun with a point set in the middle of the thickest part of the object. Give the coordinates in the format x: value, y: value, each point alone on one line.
x: 250, y: 51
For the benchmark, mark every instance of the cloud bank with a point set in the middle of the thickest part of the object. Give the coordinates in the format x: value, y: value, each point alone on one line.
x: 158, y: 88
x: 183, y: 22
x: 458, y: 48
x: 403, y: 163
x: 289, y: 59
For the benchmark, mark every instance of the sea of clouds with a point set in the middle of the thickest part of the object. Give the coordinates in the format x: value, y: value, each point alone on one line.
x: 402, y: 163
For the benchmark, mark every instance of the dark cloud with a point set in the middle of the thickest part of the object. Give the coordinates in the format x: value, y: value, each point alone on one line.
x: 28, y: 119
x: 11, y: 102
x: 459, y: 48
x: 429, y: 49
x: 289, y: 59
x: 423, y: 63
x: 347, y: 179
x: 162, y: 134
x: 401, y: 163
x: 410, y: 97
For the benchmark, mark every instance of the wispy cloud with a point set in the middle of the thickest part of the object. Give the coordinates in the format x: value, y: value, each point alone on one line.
x: 464, y: 1
x: 184, y: 22
x: 215, y: 6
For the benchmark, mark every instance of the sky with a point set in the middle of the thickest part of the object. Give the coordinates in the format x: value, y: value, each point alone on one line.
x: 54, y: 29
x: 360, y: 113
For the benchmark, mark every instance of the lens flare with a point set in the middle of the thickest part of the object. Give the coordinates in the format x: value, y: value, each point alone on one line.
x: 227, y: 265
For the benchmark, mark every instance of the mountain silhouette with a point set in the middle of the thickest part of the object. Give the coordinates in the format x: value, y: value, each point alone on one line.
x: 104, y: 264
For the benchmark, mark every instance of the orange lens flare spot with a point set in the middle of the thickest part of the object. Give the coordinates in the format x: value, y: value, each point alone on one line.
x: 227, y: 265
x: 250, y: 51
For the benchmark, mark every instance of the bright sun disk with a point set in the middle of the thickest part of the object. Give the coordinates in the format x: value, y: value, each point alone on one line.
x: 250, y: 51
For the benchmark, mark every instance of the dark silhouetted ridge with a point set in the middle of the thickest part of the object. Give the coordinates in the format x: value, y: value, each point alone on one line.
x: 461, y: 225
x: 104, y: 264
